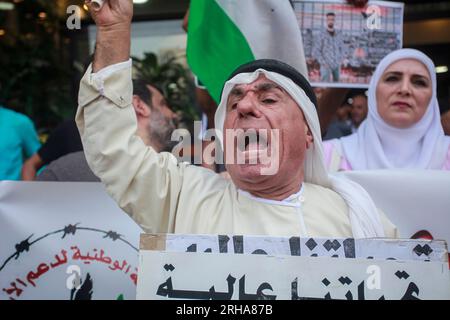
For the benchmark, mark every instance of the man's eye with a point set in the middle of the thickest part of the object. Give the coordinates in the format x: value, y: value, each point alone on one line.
x: 232, y: 106
x: 269, y: 101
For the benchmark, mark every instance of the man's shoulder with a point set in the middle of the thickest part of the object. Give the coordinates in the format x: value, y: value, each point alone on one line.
x: 71, y: 167
x: 14, y: 117
x: 72, y: 158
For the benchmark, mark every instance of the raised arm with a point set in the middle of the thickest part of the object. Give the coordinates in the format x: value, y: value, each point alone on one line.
x: 113, y: 22
x: 144, y: 183
x: 31, y: 166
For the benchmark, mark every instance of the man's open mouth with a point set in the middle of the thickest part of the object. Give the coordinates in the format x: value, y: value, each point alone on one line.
x: 253, y: 140
x: 253, y: 146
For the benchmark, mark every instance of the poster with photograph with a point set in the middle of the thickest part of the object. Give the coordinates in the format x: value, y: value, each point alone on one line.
x: 343, y: 44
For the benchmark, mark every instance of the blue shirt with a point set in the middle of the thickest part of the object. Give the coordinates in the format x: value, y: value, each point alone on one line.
x: 18, y: 141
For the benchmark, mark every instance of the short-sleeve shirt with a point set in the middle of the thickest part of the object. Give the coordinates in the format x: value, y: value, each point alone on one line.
x: 18, y: 141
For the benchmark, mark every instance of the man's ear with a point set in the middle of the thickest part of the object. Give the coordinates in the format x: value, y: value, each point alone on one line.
x: 140, y: 107
x: 308, y: 137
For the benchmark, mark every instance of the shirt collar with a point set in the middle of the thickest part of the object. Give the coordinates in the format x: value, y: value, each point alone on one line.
x: 294, y: 200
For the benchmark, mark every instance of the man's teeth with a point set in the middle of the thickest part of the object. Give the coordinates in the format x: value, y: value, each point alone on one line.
x: 253, y: 143
x: 253, y: 146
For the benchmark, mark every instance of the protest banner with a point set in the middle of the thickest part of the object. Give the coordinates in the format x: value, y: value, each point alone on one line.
x: 343, y: 44
x: 49, y: 229
x: 238, y: 275
x: 416, y: 201
x: 382, y: 249
x: 65, y: 241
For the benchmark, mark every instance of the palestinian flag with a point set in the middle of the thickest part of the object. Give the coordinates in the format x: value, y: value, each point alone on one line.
x: 224, y: 34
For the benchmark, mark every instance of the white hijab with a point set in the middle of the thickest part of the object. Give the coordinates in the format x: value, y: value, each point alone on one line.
x: 364, y: 216
x: 377, y: 145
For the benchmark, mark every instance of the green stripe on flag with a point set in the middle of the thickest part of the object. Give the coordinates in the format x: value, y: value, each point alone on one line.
x: 215, y: 47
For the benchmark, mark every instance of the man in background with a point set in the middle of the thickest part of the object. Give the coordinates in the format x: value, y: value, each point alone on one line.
x: 327, y: 50
x: 358, y: 101
x: 18, y: 141
x: 63, y: 140
x: 156, y: 122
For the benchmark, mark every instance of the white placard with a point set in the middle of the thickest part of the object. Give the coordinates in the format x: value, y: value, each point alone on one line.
x: 176, y: 275
x: 65, y: 240
x: 416, y: 201
x: 382, y: 249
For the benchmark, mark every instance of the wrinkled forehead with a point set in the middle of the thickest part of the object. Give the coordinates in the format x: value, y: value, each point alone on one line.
x: 264, y: 88
x: 260, y: 85
x: 261, y: 81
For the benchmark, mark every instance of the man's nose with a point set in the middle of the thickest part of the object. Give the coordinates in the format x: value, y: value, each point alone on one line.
x: 248, y: 106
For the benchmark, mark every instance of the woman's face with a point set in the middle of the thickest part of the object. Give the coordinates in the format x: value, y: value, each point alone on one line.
x: 403, y: 93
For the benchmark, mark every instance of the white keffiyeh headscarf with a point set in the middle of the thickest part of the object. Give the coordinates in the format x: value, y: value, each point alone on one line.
x: 364, y: 216
x: 377, y: 145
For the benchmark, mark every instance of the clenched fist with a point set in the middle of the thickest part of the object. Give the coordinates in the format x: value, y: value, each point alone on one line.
x: 113, y: 20
x: 112, y: 13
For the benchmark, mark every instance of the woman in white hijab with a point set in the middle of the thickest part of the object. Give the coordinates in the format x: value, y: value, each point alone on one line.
x: 403, y: 128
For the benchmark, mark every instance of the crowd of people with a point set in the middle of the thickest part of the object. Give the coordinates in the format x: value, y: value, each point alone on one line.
x: 122, y: 137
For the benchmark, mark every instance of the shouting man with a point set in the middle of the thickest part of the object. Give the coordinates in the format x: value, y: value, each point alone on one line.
x: 298, y: 198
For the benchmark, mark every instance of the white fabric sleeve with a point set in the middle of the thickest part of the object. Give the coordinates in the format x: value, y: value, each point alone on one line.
x: 144, y: 183
x: 104, y: 73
